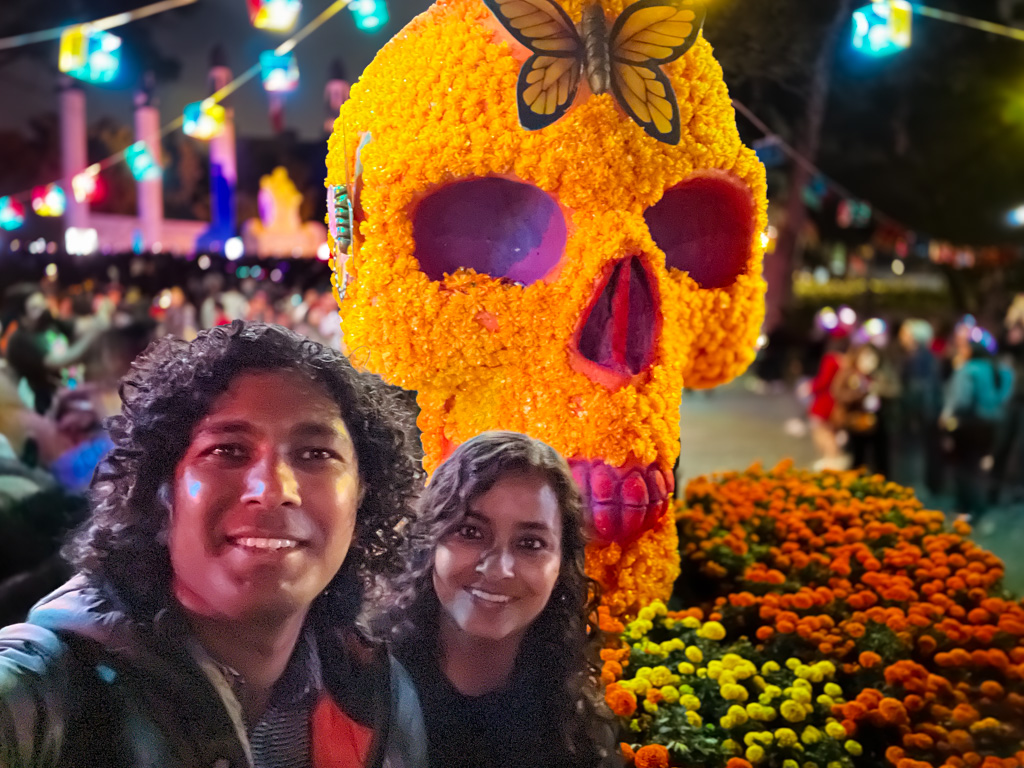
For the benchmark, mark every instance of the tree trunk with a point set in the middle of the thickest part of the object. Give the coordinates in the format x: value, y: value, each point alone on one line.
x: 779, y: 264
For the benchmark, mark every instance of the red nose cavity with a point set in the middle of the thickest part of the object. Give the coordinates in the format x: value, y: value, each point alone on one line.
x: 616, y: 340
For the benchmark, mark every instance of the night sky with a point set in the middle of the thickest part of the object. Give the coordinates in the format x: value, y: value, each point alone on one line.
x: 27, y: 86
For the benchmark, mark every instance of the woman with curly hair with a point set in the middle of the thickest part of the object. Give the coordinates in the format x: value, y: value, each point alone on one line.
x: 493, y: 614
x: 254, y: 491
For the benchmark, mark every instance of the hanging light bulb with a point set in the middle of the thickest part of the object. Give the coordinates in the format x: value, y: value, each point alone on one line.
x: 370, y: 15
x: 92, y: 55
x: 204, y: 120
x: 49, y: 201
x: 140, y: 161
x: 274, y: 15
x: 883, y: 28
x: 12, y: 214
x: 279, y: 72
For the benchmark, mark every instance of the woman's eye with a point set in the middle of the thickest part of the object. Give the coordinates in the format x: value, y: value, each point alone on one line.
x: 468, y: 532
x: 533, y: 544
x: 317, y: 454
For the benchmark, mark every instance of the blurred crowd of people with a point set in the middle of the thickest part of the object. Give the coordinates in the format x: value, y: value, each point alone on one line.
x: 940, y: 411
x: 63, y: 351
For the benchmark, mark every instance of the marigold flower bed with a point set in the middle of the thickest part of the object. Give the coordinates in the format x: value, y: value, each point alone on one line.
x: 828, y: 621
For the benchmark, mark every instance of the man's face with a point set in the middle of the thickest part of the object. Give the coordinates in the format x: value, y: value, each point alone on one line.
x: 496, y: 571
x: 264, y: 501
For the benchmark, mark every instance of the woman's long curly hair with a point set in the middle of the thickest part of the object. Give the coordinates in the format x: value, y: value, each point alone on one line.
x: 561, y: 645
x: 169, y: 389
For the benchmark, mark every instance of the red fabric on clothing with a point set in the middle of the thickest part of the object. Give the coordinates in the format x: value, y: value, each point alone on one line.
x: 821, y: 387
x: 338, y: 741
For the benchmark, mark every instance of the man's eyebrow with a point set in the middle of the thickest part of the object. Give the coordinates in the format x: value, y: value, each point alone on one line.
x: 225, y: 428
x: 318, y: 429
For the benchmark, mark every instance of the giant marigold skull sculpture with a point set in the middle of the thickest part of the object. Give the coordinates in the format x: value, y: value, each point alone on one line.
x: 566, y: 282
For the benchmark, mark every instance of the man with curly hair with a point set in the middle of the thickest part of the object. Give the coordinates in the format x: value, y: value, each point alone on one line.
x: 256, y: 488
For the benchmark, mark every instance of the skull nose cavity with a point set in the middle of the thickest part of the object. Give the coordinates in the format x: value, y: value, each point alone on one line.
x: 621, y: 328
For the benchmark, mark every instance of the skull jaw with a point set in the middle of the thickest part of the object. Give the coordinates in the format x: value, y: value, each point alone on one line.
x: 622, y: 502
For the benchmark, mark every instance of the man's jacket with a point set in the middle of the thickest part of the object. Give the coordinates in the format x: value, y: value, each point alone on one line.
x: 84, y: 686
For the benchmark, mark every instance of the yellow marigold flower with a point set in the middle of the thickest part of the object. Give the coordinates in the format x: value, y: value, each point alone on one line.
x: 691, y: 702
x: 774, y: 691
x: 712, y: 630
x: 694, y: 654
x: 786, y: 737
x: 646, y: 613
x: 769, y: 667
x: 686, y: 668
x: 835, y: 764
x: 792, y: 663
x: 726, y: 677
x: 803, y: 671
x: 833, y: 690
x: 730, y: 747
x: 730, y: 660
x: 659, y: 608
x: 702, y: 672
x: 694, y: 719
x: 801, y: 696
x: 755, y: 754
x: 650, y: 706
x: 640, y: 686
x: 760, y: 682
x: 733, y: 692
x: 758, y: 737
x: 675, y: 644
x: 986, y: 724
x: 738, y: 714
x: 810, y: 764
x: 792, y: 711
x: 691, y: 623
x: 805, y: 684
x: 825, y: 701
x: 812, y: 735
x: 790, y: 764
x: 644, y: 673
x: 670, y: 693
x: 662, y: 676
x: 854, y: 748
x: 836, y: 731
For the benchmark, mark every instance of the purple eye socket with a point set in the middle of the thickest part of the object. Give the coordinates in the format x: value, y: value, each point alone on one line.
x: 498, y: 227
x: 705, y: 226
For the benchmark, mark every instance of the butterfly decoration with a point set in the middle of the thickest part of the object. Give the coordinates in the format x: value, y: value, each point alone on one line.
x: 626, y: 61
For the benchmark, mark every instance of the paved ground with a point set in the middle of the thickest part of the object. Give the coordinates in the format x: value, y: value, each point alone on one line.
x: 732, y: 427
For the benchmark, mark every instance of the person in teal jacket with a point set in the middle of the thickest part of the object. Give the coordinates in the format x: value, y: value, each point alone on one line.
x: 255, y: 488
x: 976, y: 401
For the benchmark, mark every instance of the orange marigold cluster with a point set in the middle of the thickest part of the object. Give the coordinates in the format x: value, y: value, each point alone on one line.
x: 851, y: 568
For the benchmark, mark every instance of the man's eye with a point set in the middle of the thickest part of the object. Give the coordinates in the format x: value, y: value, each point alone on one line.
x: 228, y: 451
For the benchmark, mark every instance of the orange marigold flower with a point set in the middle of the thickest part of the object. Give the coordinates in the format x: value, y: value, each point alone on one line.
x: 893, y: 711
x: 627, y: 752
x: 652, y: 756
x: 992, y: 689
x: 620, y: 701
x: 869, y: 659
x: 738, y: 762
x: 965, y: 714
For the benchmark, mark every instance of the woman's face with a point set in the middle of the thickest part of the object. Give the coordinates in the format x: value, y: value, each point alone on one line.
x: 495, y: 572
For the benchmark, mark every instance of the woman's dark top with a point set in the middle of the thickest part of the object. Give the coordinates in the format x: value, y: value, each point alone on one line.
x: 504, y: 729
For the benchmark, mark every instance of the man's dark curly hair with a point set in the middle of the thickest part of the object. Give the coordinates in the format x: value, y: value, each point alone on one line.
x: 561, y: 645
x: 169, y: 389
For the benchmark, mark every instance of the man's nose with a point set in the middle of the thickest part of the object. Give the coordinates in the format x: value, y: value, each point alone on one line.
x: 497, y: 563
x: 271, y: 482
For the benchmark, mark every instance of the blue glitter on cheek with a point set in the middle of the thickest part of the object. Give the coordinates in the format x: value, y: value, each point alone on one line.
x: 193, y: 488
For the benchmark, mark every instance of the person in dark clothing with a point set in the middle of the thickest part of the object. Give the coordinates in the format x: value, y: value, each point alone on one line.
x: 30, y: 348
x: 975, y: 403
x: 920, y: 404
x: 1010, y: 431
x: 254, y: 491
x: 491, y: 616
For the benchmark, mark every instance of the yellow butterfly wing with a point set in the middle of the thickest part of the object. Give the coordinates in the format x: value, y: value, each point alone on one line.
x: 650, y: 33
x: 549, y: 79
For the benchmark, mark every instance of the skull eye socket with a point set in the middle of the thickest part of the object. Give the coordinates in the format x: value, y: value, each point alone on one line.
x: 705, y: 227
x: 496, y: 226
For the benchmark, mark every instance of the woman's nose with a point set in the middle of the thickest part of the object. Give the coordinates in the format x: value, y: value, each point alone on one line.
x: 497, y: 563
